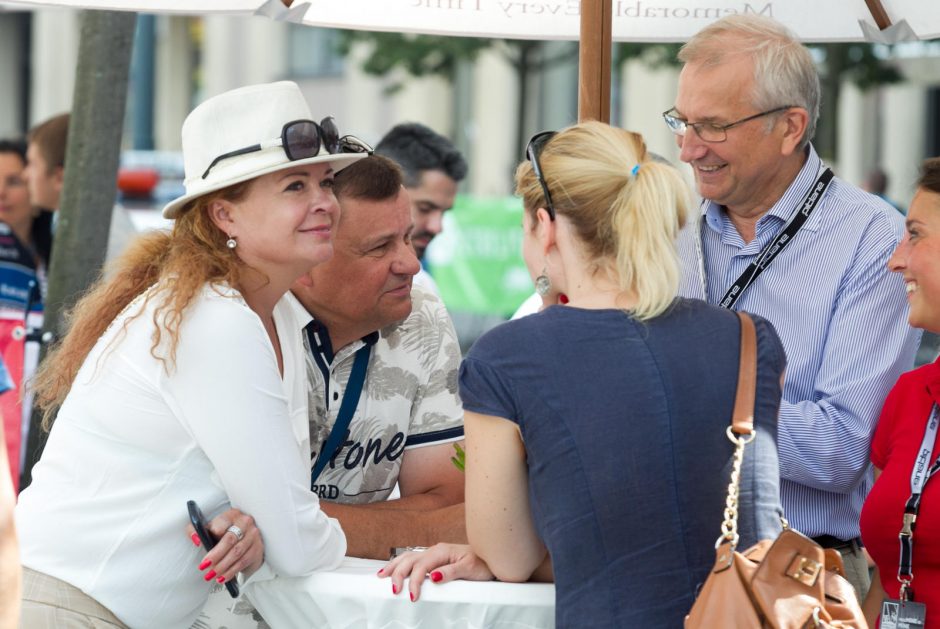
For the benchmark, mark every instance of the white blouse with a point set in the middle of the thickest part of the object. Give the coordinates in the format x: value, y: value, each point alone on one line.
x: 106, y: 511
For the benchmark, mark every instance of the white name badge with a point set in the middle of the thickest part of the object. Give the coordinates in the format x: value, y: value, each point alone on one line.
x: 902, y: 614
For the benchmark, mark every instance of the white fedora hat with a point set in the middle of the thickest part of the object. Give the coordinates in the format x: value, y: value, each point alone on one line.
x: 249, y: 119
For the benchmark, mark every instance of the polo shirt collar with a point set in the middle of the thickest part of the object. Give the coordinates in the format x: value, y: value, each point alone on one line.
x: 320, y: 343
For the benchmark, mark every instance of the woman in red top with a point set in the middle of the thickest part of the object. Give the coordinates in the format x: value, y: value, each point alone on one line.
x: 904, y: 432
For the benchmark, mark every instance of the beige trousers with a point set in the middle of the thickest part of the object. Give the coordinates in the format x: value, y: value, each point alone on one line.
x: 856, y: 570
x: 49, y: 603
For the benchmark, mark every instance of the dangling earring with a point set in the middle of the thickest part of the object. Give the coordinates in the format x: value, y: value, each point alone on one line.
x: 543, y: 285
x: 230, y: 243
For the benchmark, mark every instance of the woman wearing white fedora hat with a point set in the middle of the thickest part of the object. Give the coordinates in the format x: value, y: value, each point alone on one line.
x: 181, y: 378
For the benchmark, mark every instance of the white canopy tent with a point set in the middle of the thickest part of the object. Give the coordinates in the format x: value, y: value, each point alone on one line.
x: 631, y: 20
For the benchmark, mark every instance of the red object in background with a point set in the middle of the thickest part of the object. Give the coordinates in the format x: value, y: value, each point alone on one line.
x: 137, y: 182
x: 12, y: 344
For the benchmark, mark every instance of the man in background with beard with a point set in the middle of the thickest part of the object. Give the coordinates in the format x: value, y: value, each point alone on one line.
x: 433, y: 168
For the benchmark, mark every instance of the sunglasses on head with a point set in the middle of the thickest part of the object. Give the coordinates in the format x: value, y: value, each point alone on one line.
x: 532, y: 151
x: 302, y: 139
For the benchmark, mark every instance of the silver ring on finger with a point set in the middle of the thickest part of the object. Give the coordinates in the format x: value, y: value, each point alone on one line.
x: 237, y: 532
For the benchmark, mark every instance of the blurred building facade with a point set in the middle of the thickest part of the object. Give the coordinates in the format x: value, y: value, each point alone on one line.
x: 187, y: 59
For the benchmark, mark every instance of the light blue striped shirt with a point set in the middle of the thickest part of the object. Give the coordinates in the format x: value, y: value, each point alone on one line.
x: 842, y: 318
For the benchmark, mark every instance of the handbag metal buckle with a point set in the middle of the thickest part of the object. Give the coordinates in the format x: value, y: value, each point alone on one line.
x: 804, y: 570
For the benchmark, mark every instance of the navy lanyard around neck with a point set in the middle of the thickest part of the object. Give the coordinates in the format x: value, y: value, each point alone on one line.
x: 783, y: 238
x: 919, y: 477
x: 347, y: 409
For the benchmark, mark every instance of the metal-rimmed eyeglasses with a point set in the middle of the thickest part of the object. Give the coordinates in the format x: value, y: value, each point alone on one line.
x: 709, y: 131
x: 302, y: 139
x: 532, y: 151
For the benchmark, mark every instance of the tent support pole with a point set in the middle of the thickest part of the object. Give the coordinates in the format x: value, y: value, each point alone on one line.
x: 878, y: 12
x: 594, y: 60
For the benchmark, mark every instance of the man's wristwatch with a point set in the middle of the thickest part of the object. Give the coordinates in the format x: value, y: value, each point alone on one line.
x: 401, y: 550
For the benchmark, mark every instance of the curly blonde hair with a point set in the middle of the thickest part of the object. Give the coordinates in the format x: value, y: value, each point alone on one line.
x: 183, y: 260
x: 627, y: 221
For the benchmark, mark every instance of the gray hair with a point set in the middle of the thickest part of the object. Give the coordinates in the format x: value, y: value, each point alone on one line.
x: 784, y: 72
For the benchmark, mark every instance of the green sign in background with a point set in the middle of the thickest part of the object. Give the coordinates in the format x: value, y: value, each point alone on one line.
x: 477, y: 258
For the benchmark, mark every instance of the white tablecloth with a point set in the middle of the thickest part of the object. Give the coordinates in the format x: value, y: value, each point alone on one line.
x: 353, y: 596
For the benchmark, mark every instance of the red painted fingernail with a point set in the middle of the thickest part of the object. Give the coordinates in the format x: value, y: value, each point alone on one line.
x: 563, y: 298
x: 394, y: 589
x: 381, y: 570
x: 436, y: 576
x: 210, y: 575
x: 221, y: 579
x: 412, y: 595
x: 195, y: 539
x: 205, y: 564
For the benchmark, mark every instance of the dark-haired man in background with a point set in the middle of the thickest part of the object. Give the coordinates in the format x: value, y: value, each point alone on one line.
x: 432, y: 167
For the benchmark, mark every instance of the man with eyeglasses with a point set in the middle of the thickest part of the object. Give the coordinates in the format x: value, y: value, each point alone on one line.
x: 781, y: 237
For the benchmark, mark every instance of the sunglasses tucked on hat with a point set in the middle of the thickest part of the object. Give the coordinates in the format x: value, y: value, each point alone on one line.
x: 253, y: 131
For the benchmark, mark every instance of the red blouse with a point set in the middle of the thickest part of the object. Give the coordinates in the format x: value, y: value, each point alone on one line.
x: 897, y: 439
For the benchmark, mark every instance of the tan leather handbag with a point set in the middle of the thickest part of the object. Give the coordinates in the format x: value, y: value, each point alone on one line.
x: 787, y: 583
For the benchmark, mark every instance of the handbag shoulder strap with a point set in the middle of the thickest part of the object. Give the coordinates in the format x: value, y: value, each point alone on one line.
x: 741, y: 430
x: 742, y: 419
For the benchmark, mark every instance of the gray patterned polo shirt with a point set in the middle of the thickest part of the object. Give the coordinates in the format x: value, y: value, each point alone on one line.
x: 409, y: 400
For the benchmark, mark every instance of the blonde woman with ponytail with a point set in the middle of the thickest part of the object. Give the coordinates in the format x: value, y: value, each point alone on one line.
x: 596, y: 451
x: 181, y: 378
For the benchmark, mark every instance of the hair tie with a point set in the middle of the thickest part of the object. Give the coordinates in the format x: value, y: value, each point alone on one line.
x: 635, y: 170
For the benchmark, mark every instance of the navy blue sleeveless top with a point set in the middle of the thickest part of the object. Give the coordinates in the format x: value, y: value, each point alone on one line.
x: 624, y: 428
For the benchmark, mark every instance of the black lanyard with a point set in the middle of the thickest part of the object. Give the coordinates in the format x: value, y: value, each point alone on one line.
x: 781, y: 240
x: 919, y: 477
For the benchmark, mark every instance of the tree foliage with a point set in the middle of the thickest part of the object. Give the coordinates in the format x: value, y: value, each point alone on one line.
x: 418, y: 55
x: 436, y: 55
x: 855, y: 63
x: 424, y: 55
x: 652, y: 55
x: 858, y: 64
